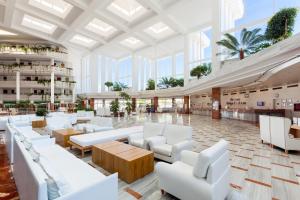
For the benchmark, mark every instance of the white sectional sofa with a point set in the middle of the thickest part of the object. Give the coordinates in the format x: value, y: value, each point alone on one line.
x: 23, y: 120
x: 57, y: 123
x: 203, y: 175
x: 103, y: 112
x: 97, y: 124
x: 72, y: 117
x: 149, y: 130
x: 174, y: 139
x: 46, y: 170
x: 85, y: 142
x: 3, y: 121
x: 85, y: 115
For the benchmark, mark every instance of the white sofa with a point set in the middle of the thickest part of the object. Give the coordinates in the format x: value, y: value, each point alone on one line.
x: 85, y: 142
x: 175, y: 138
x: 73, y: 179
x: 57, y: 123
x: 97, y: 124
x: 23, y: 120
x: 72, y: 117
x: 85, y: 115
x: 149, y: 130
x: 103, y: 112
x: 264, y: 127
x: 3, y: 121
x: 203, y: 175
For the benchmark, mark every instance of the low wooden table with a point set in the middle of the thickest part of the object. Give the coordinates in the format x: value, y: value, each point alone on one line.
x: 131, y: 163
x: 295, y: 130
x: 63, y: 136
x: 39, y: 123
x: 82, y: 121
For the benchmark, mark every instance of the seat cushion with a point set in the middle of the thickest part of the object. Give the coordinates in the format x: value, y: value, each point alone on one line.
x: 163, y: 149
x: 138, y: 143
x: 208, y: 156
x: 153, y: 129
x: 177, y: 133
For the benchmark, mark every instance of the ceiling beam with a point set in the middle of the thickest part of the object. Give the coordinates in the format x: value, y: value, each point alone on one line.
x: 9, y: 10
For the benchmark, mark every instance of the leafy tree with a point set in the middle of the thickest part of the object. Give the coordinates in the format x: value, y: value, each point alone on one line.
x: 164, y: 83
x: 108, y: 84
x: 150, y: 84
x: 281, y: 25
x: 201, y: 70
x: 246, y: 45
x: 180, y: 82
x: 118, y: 86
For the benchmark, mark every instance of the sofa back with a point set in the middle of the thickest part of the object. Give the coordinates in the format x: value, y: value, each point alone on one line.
x: 264, y: 127
x: 177, y: 133
x: 58, y: 122
x: 153, y: 129
x: 279, y: 128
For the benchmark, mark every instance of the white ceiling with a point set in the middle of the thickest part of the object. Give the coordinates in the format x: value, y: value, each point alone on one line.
x: 115, y: 28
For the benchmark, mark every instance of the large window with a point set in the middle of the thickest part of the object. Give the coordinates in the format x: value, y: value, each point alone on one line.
x: 165, y: 103
x: 179, y: 65
x: 85, y: 75
x: 125, y: 71
x: 164, y: 67
x: 98, y: 104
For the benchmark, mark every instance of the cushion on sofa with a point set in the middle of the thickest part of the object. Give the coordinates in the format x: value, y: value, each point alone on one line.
x: 177, y: 133
x: 153, y: 129
x: 163, y: 149
x: 138, y: 142
x: 207, y: 157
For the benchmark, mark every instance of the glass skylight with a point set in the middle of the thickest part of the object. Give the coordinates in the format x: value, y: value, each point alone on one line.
x: 82, y: 40
x: 59, y: 8
x: 127, y: 9
x: 38, y: 24
x: 99, y: 27
x: 3, y: 32
x: 159, y: 30
x: 132, y: 43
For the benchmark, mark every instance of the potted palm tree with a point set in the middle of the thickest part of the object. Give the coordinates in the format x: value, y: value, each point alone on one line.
x: 114, y: 107
x: 248, y: 43
x: 201, y: 70
x: 108, y: 84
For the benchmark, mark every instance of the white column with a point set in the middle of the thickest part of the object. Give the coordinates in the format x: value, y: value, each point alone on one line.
x: 135, y: 72
x: 216, y: 35
x: 52, y: 88
x: 142, y: 70
x: 186, y: 59
x: 103, y: 71
x: 94, y: 73
x: 18, y: 86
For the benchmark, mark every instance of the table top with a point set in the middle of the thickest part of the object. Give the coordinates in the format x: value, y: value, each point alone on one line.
x: 68, y: 131
x: 122, y: 150
x: 295, y: 126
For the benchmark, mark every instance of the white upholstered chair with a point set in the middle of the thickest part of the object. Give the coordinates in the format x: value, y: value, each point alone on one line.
x: 280, y: 137
x: 149, y: 130
x: 203, y: 175
x: 175, y: 139
x: 264, y: 127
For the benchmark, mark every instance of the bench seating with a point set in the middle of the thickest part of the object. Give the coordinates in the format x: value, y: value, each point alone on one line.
x: 86, y: 141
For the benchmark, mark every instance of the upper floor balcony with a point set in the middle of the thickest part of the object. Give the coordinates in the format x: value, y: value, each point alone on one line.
x: 36, y: 70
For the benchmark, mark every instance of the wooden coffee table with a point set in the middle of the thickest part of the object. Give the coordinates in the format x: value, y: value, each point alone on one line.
x: 131, y: 163
x: 63, y: 136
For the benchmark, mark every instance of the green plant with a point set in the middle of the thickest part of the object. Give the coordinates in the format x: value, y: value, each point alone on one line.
x: 125, y: 96
x: 108, y: 84
x: 246, y: 45
x: 44, y: 81
x: 128, y: 107
x: 118, y: 86
x: 164, y: 83
x: 128, y: 103
x: 201, y: 70
x: 281, y: 25
x: 114, y: 106
x: 150, y: 84
x: 41, y: 112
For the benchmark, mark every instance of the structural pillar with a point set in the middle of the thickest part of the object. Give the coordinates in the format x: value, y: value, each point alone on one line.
x: 186, y: 105
x: 216, y: 36
x: 155, y: 103
x: 187, y: 45
x: 133, y: 101
x: 216, y: 103
x: 18, y: 86
x: 52, y: 86
x: 92, y: 103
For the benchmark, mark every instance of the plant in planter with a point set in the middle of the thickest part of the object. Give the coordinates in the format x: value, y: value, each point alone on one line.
x: 108, y: 84
x: 42, y: 112
x: 114, y: 107
x: 246, y: 45
x: 150, y: 84
x: 128, y: 104
x: 281, y: 25
x: 201, y: 70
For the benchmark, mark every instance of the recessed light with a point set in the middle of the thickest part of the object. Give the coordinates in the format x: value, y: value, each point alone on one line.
x: 3, y: 32
x: 38, y: 24
x: 132, y: 42
x: 99, y: 27
x: 59, y: 8
x: 159, y: 30
x: 82, y: 40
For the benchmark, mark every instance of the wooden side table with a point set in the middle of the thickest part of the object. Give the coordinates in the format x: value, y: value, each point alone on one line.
x: 63, y: 136
x: 38, y: 123
x: 295, y: 130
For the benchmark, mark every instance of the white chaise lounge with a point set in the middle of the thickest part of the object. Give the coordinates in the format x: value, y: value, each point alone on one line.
x: 97, y: 124
x: 86, y: 141
x: 203, y: 175
x: 47, y: 171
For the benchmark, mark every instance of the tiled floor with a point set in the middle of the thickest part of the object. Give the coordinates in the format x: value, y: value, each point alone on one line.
x: 257, y: 171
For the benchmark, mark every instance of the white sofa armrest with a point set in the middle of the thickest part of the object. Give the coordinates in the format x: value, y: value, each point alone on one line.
x: 178, y: 147
x: 156, y: 140
x: 104, y: 189
x: 189, y: 157
x: 135, y: 136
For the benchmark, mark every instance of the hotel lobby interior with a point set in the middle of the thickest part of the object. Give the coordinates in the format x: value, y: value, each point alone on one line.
x: 149, y: 99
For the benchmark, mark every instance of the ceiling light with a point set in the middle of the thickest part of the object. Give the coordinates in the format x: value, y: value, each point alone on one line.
x: 82, y: 40
x: 38, y: 24
x: 132, y: 42
x: 100, y: 27
x: 127, y: 9
x: 159, y: 30
x: 59, y: 8
x: 3, y: 32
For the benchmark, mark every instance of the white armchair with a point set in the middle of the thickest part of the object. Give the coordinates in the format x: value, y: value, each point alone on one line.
x: 264, y: 127
x: 149, y: 130
x: 204, y: 175
x: 175, y: 139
